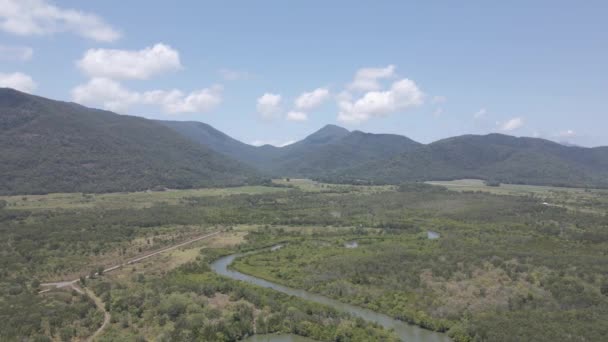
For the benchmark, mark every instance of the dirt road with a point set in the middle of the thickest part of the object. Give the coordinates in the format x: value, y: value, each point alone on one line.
x: 73, y: 284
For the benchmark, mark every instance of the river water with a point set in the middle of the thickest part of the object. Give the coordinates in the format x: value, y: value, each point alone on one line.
x: 405, y: 331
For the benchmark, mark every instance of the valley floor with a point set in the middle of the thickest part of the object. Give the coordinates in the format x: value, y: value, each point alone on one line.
x: 511, y: 263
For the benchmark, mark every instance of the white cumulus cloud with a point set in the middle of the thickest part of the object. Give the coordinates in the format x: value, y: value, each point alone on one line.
x: 113, y: 96
x: 367, y: 79
x: 297, y: 116
x: 311, y: 100
x: 480, y: 113
x: 19, y: 81
x: 130, y: 64
x: 39, y: 17
x: 269, y: 105
x: 16, y: 53
x: 512, y: 124
x: 402, y: 95
x: 175, y: 101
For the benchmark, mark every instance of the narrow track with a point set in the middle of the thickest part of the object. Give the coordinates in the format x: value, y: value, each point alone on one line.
x: 73, y: 284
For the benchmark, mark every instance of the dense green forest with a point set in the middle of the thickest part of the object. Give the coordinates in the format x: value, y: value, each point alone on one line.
x: 505, y: 268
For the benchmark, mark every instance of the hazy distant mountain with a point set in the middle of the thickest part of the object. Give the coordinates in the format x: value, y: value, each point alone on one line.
x: 52, y: 146
x: 208, y: 136
x: 328, y: 150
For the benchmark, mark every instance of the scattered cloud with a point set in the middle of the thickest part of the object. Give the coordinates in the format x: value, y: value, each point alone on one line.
x: 297, y: 116
x: 366, y: 79
x: 233, y: 75
x: 39, y: 17
x: 402, y: 95
x: 19, y: 81
x: 480, y: 113
x: 113, y: 96
x: 439, y: 99
x: 566, y: 134
x: 175, y: 101
x: 311, y: 100
x: 16, y: 53
x: 512, y: 124
x: 269, y: 106
x: 130, y: 64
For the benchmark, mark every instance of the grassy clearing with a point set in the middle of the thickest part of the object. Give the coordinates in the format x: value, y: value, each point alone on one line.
x: 510, y: 189
x: 309, y: 185
x: 118, y: 200
x: 588, y: 200
x: 165, y: 262
x: 147, y: 199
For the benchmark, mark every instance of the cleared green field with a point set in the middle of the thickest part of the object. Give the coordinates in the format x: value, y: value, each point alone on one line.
x: 509, y: 189
x: 310, y: 185
x: 144, y: 199
x: 589, y: 200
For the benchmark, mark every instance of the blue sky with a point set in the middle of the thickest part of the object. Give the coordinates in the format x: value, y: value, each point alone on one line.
x: 274, y: 71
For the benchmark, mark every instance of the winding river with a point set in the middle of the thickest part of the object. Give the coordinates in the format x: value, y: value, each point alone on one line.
x: 405, y: 331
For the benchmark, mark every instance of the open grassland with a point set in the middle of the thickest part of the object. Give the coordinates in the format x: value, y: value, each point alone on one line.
x: 147, y: 199
x: 117, y: 200
x: 314, y: 186
x: 590, y: 200
x: 511, y: 189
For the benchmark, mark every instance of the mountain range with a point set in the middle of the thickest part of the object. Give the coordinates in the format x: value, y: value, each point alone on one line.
x: 53, y: 146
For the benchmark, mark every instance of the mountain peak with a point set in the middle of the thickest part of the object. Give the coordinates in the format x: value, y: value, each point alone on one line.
x: 333, y: 128
x: 327, y: 134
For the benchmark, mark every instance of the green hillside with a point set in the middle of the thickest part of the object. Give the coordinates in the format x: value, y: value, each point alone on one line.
x: 51, y: 146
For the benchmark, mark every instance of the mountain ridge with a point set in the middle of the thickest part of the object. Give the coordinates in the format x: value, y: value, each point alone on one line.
x: 55, y: 146
x: 337, y: 155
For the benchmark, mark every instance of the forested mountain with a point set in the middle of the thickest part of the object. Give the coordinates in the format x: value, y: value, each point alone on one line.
x: 337, y: 155
x: 349, y: 151
x: 494, y: 157
x: 51, y: 146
